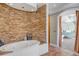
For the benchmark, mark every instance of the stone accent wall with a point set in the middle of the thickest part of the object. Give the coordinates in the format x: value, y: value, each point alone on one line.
x: 15, y: 24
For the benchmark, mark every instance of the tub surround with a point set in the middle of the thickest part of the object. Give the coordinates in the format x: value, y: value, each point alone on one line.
x: 15, y: 24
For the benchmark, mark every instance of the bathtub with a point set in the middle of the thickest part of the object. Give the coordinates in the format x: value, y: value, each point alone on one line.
x: 22, y: 48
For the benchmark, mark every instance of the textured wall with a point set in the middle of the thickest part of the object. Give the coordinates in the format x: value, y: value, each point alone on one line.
x: 15, y: 24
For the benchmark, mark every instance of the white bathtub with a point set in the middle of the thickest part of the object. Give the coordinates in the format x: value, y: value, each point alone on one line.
x: 22, y: 48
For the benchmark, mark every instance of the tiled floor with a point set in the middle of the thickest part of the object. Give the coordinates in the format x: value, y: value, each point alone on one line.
x: 68, y: 44
x: 53, y: 51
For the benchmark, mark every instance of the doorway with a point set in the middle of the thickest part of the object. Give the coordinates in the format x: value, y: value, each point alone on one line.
x: 68, y: 30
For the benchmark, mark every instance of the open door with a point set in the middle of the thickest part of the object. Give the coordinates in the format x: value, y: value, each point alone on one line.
x: 48, y: 31
x: 60, y: 31
x: 77, y: 33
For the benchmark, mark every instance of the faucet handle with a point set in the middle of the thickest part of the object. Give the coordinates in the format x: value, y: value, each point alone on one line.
x: 1, y: 43
x: 29, y: 36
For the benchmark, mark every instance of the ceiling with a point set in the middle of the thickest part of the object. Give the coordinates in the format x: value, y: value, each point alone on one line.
x: 25, y: 6
x: 54, y: 8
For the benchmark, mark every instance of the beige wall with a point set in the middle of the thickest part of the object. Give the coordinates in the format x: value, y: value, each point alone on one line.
x: 15, y: 24
x: 53, y: 29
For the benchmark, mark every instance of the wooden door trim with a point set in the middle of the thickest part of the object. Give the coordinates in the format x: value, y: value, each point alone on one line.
x: 76, y: 48
x: 49, y: 31
x: 60, y: 31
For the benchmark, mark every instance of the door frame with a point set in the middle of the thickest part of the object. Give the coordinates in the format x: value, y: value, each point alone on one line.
x: 76, y: 48
x: 60, y: 31
x: 48, y: 31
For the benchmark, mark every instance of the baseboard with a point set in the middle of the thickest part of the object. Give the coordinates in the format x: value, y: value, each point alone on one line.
x: 53, y: 45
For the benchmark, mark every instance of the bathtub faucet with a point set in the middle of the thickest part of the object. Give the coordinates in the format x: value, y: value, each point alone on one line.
x: 28, y: 36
